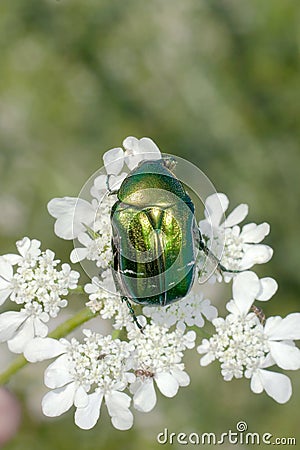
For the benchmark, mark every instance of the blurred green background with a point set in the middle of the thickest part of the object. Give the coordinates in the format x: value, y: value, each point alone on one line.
x: 216, y: 82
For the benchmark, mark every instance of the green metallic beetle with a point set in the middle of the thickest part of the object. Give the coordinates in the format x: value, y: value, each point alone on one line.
x: 155, y: 238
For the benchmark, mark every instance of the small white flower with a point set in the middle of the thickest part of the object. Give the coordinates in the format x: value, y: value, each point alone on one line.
x: 138, y: 150
x: 157, y: 357
x: 240, y: 248
x: 245, y: 348
x: 72, y: 215
x: 113, y: 162
x: 32, y: 279
x: 83, y: 375
x: 188, y: 311
x: 277, y: 385
x: 104, y: 298
x: 98, y: 247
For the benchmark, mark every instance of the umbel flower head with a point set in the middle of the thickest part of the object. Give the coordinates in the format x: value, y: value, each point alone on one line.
x: 245, y: 347
x: 240, y: 249
x: 101, y: 368
x: 157, y: 357
x: 33, y: 281
x: 84, y: 374
x: 126, y: 369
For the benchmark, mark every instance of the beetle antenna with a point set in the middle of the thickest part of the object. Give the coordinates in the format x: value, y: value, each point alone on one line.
x: 131, y: 310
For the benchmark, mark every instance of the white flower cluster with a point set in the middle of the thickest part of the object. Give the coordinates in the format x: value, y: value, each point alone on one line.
x: 188, y: 312
x: 245, y: 347
x: 157, y: 357
x: 107, y: 301
x: 38, y: 286
x: 105, y: 369
x: 239, y: 249
x: 102, y: 368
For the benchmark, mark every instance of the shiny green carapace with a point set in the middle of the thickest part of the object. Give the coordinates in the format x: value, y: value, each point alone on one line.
x: 155, y: 237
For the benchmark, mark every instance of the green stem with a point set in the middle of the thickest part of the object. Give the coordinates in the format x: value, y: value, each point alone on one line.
x: 78, y: 290
x: 62, y: 330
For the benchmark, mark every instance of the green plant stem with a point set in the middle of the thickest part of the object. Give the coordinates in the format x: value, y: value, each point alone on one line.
x: 62, y: 330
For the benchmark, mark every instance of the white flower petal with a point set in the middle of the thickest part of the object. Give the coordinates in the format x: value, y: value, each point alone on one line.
x: 81, y: 398
x: 10, y: 321
x: 123, y: 420
x: 256, y: 254
x: 40, y: 349
x: 113, y: 161
x: 85, y: 239
x: 99, y: 187
x: 286, y: 356
x: 207, y: 359
x: 267, y: 362
x: 256, y: 383
x: 78, y: 254
x: 57, y: 374
x: 276, y: 385
x: 252, y: 233
x: 40, y: 328
x: 4, y: 294
x: 181, y: 376
x: 23, y: 245
x: 71, y: 214
x: 12, y: 259
x: 138, y: 150
x: 87, y: 417
x: 232, y: 307
x: 6, y: 269
x: 215, y: 207
x: 117, y: 405
x: 24, y: 335
x: 115, y: 401
x: 268, y: 287
x: 277, y: 328
x: 245, y: 288
x: 60, y: 400
x: 166, y: 383
x: 145, y: 397
x: 237, y: 215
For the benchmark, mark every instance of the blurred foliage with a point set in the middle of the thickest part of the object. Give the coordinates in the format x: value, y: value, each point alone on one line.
x: 216, y: 82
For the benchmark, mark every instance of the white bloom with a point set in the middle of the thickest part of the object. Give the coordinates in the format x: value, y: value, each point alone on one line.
x: 72, y: 215
x: 188, y: 311
x: 111, y: 180
x: 104, y: 298
x: 138, y: 150
x: 84, y: 374
x: 32, y: 279
x: 97, y: 247
x: 157, y: 357
x: 240, y: 248
x: 246, y: 348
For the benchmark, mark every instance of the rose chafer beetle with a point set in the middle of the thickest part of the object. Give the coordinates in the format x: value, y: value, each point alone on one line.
x: 155, y: 237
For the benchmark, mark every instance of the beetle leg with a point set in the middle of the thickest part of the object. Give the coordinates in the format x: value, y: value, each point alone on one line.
x: 110, y: 191
x: 210, y: 254
x: 131, y: 310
